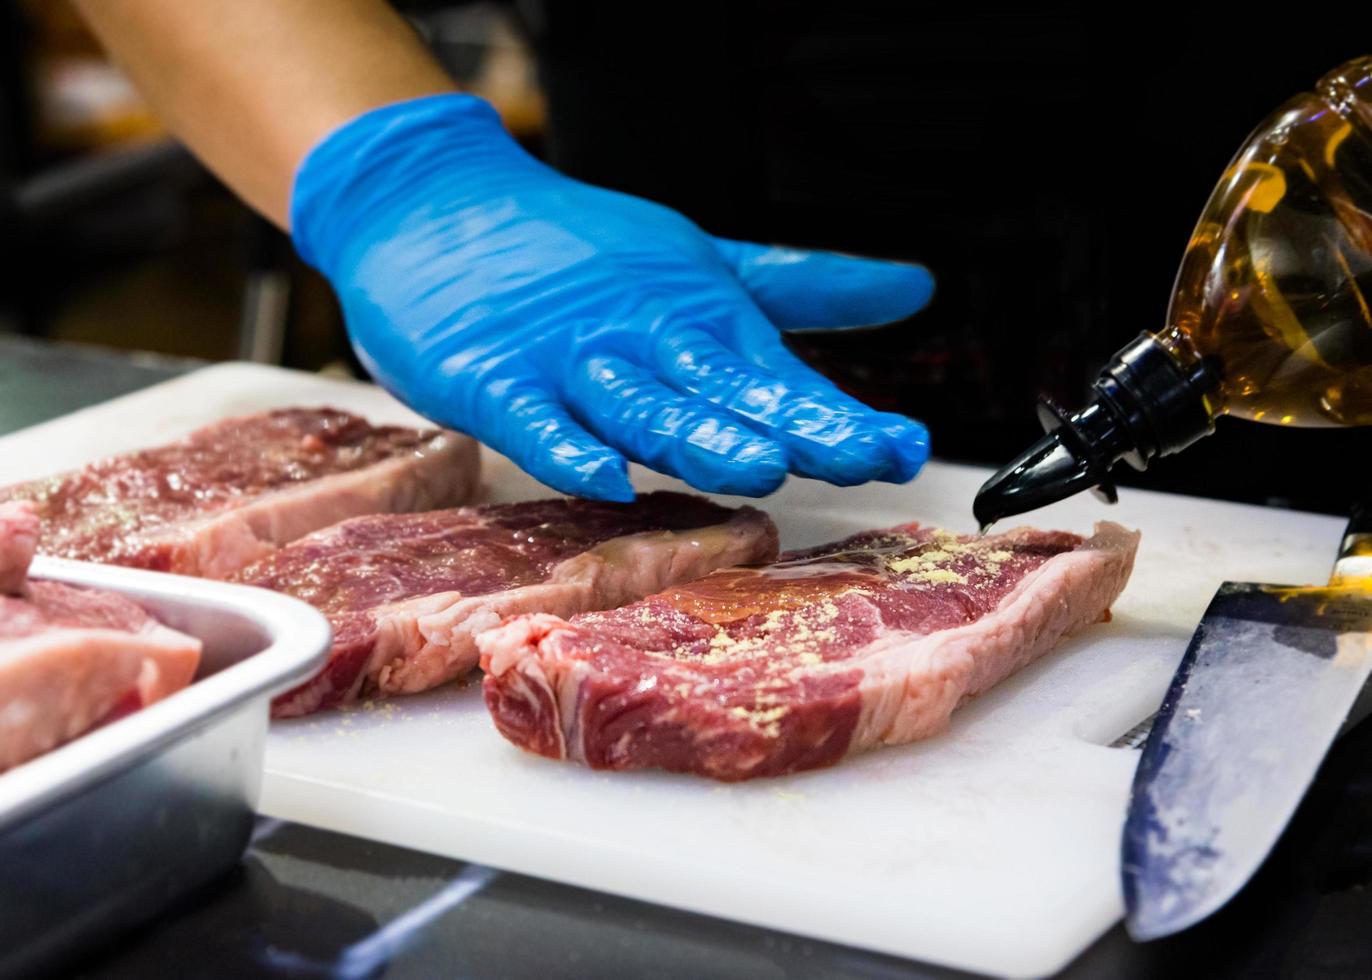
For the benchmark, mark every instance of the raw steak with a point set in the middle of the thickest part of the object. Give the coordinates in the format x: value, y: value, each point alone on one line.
x: 406, y: 593
x: 758, y: 672
x: 73, y: 658
x: 233, y: 491
x: 18, y: 538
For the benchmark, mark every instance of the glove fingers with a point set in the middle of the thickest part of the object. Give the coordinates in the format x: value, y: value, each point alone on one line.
x: 529, y: 425
x: 822, y: 439
x: 908, y: 445
x: 673, y: 433
x: 800, y: 290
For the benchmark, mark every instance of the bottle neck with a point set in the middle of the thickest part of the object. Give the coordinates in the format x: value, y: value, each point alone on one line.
x: 1158, y: 391
x: 1147, y: 402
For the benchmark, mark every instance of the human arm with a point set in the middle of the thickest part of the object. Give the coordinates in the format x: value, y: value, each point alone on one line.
x: 565, y: 325
x: 252, y: 85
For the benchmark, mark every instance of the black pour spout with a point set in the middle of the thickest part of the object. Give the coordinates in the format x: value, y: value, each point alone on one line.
x: 1145, y: 404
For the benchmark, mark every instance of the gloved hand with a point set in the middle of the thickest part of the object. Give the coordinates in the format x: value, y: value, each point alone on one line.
x: 569, y: 326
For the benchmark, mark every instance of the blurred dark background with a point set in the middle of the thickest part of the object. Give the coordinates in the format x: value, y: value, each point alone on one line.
x: 1047, y: 162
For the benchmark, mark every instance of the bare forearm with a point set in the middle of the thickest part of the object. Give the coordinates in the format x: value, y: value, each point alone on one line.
x: 252, y: 85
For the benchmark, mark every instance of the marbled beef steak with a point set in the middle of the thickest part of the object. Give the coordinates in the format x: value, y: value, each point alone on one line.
x: 406, y: 593
x: 233, y: 491
x: 763, y: 671
x: 72, y: 658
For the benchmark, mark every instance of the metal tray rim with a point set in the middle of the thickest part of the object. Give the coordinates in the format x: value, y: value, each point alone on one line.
x: 299, y: 636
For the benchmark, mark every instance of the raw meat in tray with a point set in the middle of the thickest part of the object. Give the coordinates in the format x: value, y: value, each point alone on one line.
x: 73, y: 658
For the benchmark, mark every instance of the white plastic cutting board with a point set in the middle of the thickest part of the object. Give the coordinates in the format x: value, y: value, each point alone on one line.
x: 993, y: 848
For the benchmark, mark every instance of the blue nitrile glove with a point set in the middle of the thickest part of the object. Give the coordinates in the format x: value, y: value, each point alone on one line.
x: 569, y: 326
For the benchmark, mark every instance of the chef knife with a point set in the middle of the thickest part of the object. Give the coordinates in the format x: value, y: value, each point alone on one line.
x: 1268, y: 680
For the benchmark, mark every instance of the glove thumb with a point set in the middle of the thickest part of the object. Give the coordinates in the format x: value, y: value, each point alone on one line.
x: 801, y: 290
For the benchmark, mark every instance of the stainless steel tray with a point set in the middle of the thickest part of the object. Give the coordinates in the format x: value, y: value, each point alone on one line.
x: 114, y: 827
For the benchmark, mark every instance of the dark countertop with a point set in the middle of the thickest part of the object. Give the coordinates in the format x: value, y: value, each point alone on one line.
x: 308, y: 903
x: 40, y: 381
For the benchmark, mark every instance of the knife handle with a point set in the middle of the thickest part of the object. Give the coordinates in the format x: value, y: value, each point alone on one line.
x: 1355, y: 551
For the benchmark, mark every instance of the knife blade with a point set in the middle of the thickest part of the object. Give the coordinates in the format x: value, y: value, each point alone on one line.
x: 1267, y: 682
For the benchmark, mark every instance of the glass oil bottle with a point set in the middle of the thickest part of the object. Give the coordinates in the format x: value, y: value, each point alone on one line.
x: 1270, y: 318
